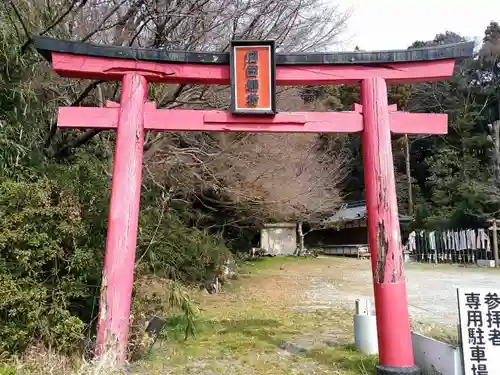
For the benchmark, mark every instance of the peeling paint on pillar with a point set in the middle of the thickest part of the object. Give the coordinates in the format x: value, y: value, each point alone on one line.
x: 382, y: 253
x: 104, y: 298
x: 103, y: 314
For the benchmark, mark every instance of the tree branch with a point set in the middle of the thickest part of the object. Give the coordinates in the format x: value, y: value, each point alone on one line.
x: 78, y: 101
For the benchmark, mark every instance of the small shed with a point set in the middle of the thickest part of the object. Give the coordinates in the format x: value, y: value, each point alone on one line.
x: 279, y: 238
x: 345, y: 232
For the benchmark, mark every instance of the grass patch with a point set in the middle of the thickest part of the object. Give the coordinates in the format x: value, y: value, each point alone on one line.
x: 255, y: 328
x: 264, y: 264
x: 346, y: 359
x: 446, y: 334
x: 5, y: 370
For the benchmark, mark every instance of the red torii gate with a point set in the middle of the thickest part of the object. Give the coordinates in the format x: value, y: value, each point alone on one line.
x: 374, y: 118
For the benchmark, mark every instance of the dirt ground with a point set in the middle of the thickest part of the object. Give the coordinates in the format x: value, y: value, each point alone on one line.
x: 294, y: 316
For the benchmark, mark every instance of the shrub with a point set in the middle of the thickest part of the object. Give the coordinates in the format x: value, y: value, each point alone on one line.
x: 51, y: 252
x: 46, y: 266
x: 175, y: 251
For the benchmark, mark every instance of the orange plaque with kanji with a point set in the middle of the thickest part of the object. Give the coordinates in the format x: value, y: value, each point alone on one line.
x: 253, y: 77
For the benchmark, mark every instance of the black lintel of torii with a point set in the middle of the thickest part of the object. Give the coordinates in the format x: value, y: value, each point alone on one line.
x: 46, y: 46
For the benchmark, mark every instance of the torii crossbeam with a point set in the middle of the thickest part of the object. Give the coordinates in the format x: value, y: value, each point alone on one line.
x: 253, y: 95
x: 180, y: 120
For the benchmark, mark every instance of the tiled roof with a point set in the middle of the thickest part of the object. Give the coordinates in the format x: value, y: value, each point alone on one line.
x: 354, y: 211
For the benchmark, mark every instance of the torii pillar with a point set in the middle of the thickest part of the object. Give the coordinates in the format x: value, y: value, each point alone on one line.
x: 254, y: 111
x: 391, y: 304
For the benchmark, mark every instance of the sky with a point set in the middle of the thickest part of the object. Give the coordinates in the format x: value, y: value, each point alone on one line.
x: 395, y: 24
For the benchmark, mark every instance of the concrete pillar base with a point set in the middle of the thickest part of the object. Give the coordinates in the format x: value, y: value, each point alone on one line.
x: 389, y: 370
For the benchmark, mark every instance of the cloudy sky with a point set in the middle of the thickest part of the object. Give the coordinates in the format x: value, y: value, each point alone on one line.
x: 395, y: 24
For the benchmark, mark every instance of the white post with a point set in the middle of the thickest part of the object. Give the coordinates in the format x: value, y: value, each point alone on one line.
x: 365, y: 328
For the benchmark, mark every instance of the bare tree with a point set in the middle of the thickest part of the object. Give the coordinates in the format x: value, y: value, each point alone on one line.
x: 281, y: 175
x: 274, y: 176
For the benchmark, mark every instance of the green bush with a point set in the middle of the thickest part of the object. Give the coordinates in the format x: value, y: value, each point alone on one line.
x: 51, y: 252
x: 175, y: 251
x: 47, y: 268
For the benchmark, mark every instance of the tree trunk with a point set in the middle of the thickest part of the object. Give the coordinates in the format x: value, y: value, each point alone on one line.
x: 496, y: 150
x: 301, y: 238
x: 408, y: 177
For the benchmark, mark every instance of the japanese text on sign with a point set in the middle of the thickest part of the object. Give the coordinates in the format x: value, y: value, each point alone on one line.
x: 480, y: 329
x: 252, y: 78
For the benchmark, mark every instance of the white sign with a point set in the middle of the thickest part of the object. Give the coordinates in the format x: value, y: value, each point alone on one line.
x: 479, y: 312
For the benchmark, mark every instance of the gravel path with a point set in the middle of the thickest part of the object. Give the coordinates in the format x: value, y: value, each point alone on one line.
x: 431, y: 291
x: 432, y: 294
